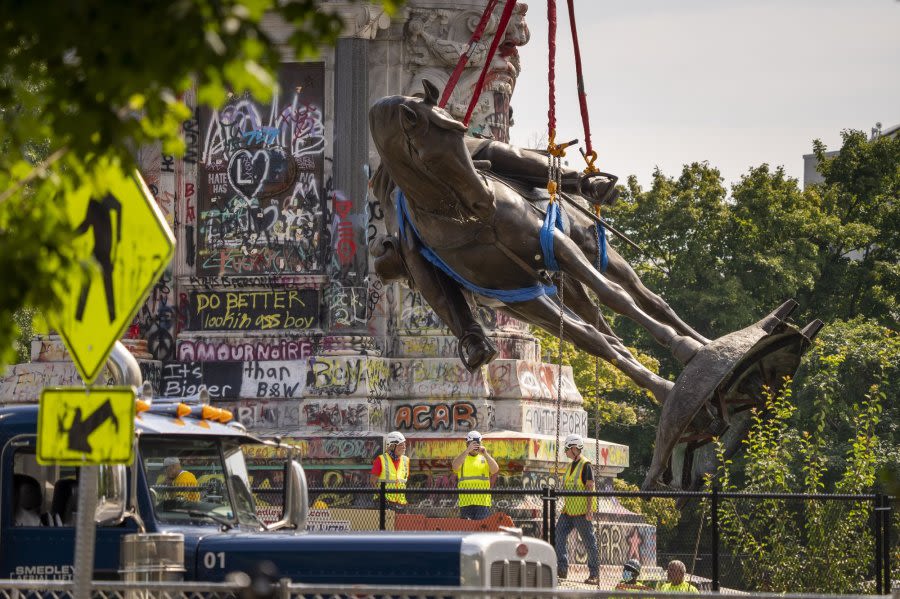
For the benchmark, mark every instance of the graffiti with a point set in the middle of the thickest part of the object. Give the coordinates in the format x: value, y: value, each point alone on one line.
x: 151, y: 372
x: 191, y: 130
x: 260, y: 196
x: 460, y: 416
x: 277, y: 415
x: 358, y: 377
x: 340, y: 448
x: 253, y: 310
x: 375, y: 213
x: 417, y: 315
x: 179, y: 379
x: 344, y: 244
x: 543, y: 421
x: 273, y: 379
x: 23, y: 383
x: 238, y: 350
x: 253, y: 379
x: 346, y: 306
x: 336, y: 416
x: 295, y: 281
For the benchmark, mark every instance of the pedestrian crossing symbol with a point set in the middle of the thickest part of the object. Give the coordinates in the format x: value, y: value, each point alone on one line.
x: 127, y: 245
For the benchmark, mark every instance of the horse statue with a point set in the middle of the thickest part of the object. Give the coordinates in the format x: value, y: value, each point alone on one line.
x: 461, y: 227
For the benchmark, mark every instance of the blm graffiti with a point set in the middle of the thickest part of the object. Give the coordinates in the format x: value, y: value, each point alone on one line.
x: 261, y: 198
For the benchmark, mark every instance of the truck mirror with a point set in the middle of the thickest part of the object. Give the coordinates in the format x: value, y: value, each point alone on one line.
x: 111, y: 495
x: 295, y: 498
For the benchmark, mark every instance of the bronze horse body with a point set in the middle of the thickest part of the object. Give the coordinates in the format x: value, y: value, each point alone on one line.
x: 486, y: 232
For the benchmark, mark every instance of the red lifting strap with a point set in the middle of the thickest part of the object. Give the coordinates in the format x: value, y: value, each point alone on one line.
x: 551, y: 61
x: 582, y: 98
x: 465, y: 56
x: 501, y: 32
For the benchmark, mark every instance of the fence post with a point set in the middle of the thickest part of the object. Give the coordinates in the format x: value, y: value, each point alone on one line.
x: 552, y: 502
x: 382, y: 507
x: 879, y: 540
x: 545, y: 513
x: 886, y: 543
x: 714, y: 531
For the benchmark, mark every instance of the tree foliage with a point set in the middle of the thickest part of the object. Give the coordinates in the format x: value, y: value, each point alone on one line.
x: 816, y: 546
x: 83, y: 84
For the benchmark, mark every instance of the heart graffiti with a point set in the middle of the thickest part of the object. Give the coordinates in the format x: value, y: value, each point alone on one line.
x: 261, y: 173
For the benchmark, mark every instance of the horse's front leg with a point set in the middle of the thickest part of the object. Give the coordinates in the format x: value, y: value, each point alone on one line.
x: 544, y: 312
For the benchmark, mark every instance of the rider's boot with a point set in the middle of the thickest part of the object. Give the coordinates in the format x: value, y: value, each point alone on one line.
x: 475, y: 348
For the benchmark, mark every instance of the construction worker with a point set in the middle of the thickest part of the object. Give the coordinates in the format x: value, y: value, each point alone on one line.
x: 392, y: 468
x: 176, y: 477
x: 630, y: 572
x: 473, y: 469
x: 675, y: 582
x: 577, y: 512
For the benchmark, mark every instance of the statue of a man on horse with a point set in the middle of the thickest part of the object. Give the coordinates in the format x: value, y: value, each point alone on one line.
x: 466, y: 221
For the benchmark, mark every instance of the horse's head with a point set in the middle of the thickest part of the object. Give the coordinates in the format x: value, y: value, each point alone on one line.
x: 423, y: 149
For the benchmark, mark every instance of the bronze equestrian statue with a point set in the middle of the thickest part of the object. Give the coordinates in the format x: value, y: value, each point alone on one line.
x: 459, y: 228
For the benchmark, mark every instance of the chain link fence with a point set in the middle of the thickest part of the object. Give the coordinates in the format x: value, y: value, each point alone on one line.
x: 245, y: 588
x: 735, y: 541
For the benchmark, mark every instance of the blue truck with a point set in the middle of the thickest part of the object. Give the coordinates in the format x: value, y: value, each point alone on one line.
x: 217, y: 515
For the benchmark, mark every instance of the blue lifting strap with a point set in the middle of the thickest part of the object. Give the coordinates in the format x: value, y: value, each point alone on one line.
x: 553, y: 219
x: 509, y: 296
x: 602, y: 258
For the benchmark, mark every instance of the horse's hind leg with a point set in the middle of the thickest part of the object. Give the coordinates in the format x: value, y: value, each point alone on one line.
x: 544, y: 313
x: 621, y: 272
x: 578, y: 301
x: 573, y: 262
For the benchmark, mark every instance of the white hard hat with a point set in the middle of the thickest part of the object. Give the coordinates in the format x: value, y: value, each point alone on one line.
x: 171, y: 461
x: 395, y: 437
x: 574, y: 441
x: 473, y: 436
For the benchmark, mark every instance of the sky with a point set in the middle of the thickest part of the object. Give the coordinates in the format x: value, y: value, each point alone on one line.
x: 736, y: 83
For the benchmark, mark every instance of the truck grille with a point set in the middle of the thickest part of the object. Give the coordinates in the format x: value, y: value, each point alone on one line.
x: 508, y: 573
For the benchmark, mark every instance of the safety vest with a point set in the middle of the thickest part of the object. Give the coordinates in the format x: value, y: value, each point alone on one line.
x: 184, y: 479
x: 632, y: 586
x: 682, y: 587
x: 475, y: 473
x: 394, y: 477
x: 576, y: 506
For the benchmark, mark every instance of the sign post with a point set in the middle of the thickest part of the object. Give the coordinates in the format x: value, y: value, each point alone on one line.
x: 129, y: 245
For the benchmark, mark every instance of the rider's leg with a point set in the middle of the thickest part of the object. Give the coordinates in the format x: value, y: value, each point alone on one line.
x: 544, y: 312
x: 446, y: 299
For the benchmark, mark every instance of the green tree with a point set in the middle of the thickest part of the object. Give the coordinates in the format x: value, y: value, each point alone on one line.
x: 859, y: 237
x: 814, y: 546
x: 82, y: 84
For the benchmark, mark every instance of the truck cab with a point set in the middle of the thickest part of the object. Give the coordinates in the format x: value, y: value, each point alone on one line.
x: 190, y: 477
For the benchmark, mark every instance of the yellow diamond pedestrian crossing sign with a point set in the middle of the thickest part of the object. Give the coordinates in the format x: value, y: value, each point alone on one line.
x: 78, y: 426
x: 128, y: 245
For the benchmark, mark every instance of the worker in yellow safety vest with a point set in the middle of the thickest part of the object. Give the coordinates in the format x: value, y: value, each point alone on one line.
x: 392, y: 468
x: 630, y: 573
x: 473, y: 469
x: 675, y: 582
x: 176, y: 477
x: 578, y: 511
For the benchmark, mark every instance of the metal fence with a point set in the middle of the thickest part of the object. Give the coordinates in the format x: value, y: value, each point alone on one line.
x: 255, y: 589
x: 736, y: 541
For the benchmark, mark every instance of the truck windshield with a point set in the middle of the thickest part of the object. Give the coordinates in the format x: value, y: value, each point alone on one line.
x: 198, y: 481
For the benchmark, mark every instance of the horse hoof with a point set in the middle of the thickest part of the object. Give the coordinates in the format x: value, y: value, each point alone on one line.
x: 684, y: 348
